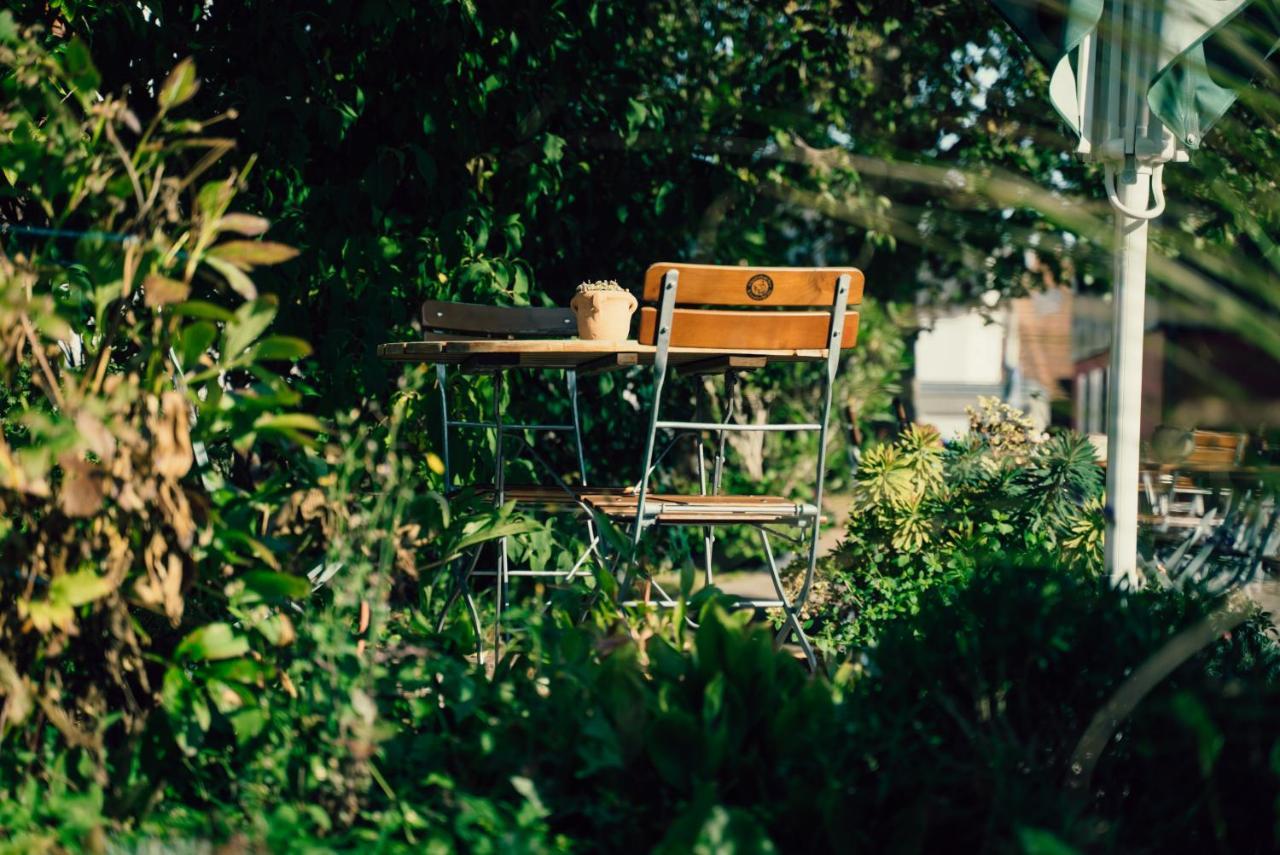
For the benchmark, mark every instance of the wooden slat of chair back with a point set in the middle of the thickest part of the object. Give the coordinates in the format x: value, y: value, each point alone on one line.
x: 1216, y: 448
x: 475, y: 320
x: 724, y: 329
x: 718, y: 285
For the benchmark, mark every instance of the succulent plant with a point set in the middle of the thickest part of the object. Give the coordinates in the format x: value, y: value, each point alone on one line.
x: 600, y: 285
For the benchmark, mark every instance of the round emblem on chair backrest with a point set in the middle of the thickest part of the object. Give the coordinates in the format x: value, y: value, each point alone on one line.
x: 759, y: 287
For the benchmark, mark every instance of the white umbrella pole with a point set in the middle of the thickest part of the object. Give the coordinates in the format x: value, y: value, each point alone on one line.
x: 1124, y: 410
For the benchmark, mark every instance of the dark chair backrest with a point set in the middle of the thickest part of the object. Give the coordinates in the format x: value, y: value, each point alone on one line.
x: 445, y: 320
x: 757, y: 293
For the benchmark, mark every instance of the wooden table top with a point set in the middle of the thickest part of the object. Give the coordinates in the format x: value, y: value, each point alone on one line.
x: 590, y: 357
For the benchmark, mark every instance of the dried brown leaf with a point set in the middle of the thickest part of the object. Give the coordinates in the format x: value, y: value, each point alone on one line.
x: 81, y: 492
x: 95, y: 434
x: 177, y: 513
x: 162, y: 587
x: 21, y: 474
x: 171, y: 436
x: 161, y: 290
x: 245, y: 224
x: 173, y: 589
x: 17, y: 695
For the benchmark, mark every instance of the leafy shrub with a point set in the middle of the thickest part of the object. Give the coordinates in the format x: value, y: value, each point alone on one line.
x: 161, y: 494
x: 956, y: 731
x: 977, y: 702
x: 170, y: 678
x: 925, y: 515
x: 587, y: 733
x: 125, y: 293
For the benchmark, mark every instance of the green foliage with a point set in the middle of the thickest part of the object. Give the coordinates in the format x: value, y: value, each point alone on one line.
x: 925, y: 516
x: 976, y: 703
x: 153, y: 545
x: 170, y: 677
x: 528, y: 148
x: 118, y: 262
x: 955, y: 731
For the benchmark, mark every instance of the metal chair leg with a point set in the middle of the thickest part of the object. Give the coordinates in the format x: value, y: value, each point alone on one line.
x: 665, y: 310
x: 593, y: 538
x: 462, y: 587
x: 476, y: 626
x: 717, y: 477
x: 499, y: 496
x: 462, y: 582
x: 793, y: 618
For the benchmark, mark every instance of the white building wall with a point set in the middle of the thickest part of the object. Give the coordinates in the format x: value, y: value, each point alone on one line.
x: 962, y: 356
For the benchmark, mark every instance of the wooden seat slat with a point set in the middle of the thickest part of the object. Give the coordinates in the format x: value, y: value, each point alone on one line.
x: 620, y: 503
x: 532, y: 494
x: 696, y: 509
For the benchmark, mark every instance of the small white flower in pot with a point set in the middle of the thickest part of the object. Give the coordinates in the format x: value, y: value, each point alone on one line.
x: 604, y: 310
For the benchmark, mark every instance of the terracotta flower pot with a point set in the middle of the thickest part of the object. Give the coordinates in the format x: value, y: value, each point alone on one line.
x: 603, y: 315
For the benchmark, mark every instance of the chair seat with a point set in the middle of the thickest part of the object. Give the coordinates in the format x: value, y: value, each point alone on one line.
x: 670, y: 509
x: 1175, y: 520
x: 664, y: 508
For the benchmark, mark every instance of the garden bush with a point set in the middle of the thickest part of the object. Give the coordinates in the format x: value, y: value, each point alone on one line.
x: 925, y: 515
x: 126, y: 539
x: 153, y: 549
x: 955, y: 732
x: 977, y: 702
x: 217, y: 610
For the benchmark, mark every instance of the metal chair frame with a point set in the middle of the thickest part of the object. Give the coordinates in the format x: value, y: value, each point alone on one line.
x: 804, y: 516
x: 467, y: 568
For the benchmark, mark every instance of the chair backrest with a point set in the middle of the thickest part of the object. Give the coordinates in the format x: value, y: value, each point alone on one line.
x: 445, y: 320
x: 1217, y: 448
x: 758, y: 294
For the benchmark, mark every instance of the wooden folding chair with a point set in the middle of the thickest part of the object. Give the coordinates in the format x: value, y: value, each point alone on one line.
x: 1176, y: 489
x: 745, y: 329
x: 446, y: 321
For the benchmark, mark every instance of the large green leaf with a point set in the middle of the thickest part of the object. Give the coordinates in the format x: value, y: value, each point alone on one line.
x: 236, y: 278
x: 76, y: 589
x: 66, y: 592
x: 271, y: 585
x: 79, y: 66
x: 194, y: 342
x: 281, y: 347
x: 212, y: 641
x: 180, y: 86
x: 203, y: 309
x: 248, y: 254
x: 250, y: 321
